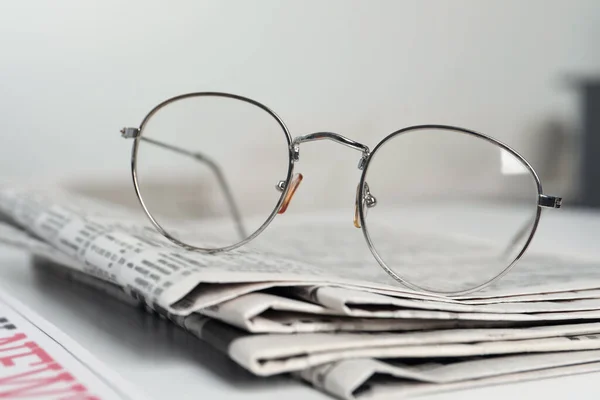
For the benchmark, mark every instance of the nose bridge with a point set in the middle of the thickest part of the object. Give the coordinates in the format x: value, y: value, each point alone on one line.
x: 335, y: 137
x: 331, y: 136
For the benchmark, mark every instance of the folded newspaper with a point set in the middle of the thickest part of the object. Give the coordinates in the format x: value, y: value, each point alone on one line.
x: 343, y: 326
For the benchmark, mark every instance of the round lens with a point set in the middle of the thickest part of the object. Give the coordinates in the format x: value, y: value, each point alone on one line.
x: 447, y: 210
x: 208, y: 166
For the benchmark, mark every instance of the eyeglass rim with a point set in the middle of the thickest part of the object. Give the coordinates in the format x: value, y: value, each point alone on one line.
x: 362, y: 181
x: 363, y: 219
x: 134, y: 172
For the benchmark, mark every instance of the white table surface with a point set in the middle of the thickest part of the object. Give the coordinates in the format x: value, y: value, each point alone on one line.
x: 165, y: 362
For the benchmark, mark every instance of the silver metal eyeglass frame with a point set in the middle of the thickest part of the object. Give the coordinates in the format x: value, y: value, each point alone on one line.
x: 364, y: 199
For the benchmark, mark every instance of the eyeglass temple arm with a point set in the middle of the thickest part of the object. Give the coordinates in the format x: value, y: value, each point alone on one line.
x: 233, y: 207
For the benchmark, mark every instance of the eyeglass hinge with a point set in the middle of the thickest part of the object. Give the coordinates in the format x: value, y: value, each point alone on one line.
x: 295, y: 151
x: 549, y: 201
x: 363, y: 160
x: 130, y: 133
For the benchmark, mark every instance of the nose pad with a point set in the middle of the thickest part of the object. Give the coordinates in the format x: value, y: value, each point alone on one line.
x: 367, y: 200
x: 356, y: 205
x: 295, y: 182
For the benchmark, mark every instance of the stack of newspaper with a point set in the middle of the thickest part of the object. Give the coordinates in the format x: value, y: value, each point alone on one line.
x: 305, y: 302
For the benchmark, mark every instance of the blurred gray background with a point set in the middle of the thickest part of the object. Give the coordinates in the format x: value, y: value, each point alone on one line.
x: 73, y: 73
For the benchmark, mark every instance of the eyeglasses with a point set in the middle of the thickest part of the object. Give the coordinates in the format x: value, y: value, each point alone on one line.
x: 430, y: 178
